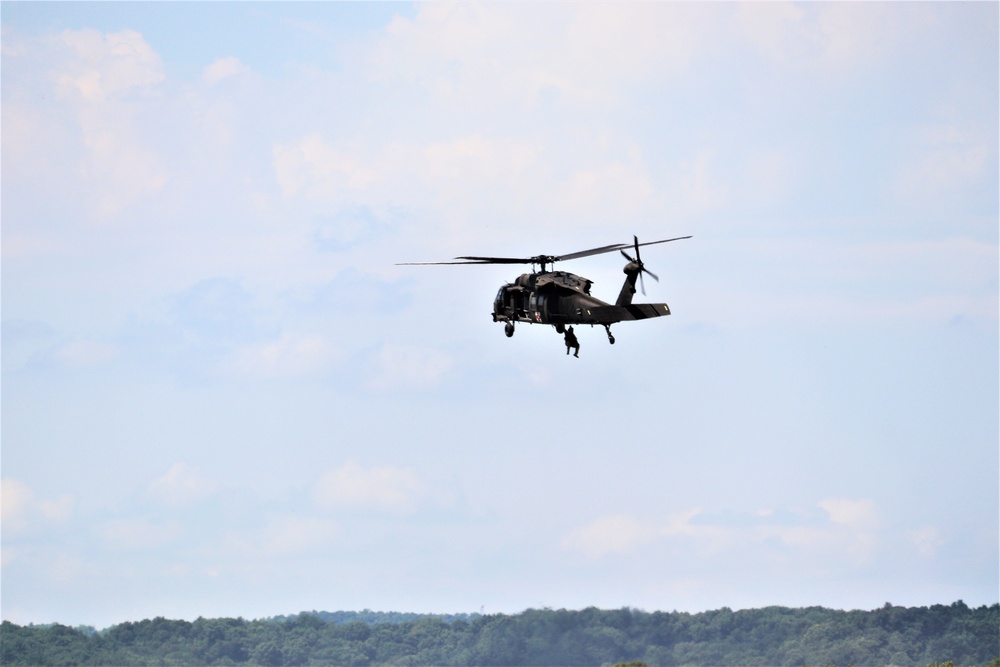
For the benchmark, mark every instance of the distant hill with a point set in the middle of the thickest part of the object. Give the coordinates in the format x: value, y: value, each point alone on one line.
x: 936, y: 635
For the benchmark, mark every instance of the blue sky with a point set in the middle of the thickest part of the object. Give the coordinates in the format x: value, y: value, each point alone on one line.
x: 222, y: 397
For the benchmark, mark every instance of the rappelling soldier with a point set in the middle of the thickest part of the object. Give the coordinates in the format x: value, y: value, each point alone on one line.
x: 572, y: 342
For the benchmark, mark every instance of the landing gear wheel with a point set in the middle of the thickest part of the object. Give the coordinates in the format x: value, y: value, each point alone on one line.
x: 509, y: 329
x: 560, y: 328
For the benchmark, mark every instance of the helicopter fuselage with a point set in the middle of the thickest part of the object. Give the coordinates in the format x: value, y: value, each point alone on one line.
x: 560, y: 299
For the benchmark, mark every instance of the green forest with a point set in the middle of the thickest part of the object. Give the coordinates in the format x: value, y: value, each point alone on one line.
x: 937, y: 635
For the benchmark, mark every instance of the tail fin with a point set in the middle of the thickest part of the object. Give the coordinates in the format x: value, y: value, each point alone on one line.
x: 628, y: 289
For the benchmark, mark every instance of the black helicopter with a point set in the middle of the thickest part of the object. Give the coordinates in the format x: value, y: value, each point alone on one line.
x: 562, y: 299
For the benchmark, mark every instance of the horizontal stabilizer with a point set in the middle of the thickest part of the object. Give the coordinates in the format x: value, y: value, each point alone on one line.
x: 633, y: 311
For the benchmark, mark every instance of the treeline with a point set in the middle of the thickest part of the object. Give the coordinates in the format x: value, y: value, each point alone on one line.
x: 891, y: 635
x: 375, y: 617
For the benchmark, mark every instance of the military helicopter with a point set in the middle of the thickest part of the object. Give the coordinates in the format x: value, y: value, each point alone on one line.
x: 563, y: 299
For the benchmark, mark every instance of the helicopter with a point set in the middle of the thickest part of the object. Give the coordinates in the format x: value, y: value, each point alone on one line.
x: 563, y: 299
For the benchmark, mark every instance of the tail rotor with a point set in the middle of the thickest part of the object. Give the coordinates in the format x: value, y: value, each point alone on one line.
x: 638, y: 262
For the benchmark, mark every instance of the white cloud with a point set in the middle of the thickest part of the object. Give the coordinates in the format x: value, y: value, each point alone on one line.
x: 850, y: 529
x: 611, y: 535
x: 827, y: 280
x: 85, y: 354
x: 120, y: 169
x: 833, y: 36
x: 107, y: 64
x: 953, y: 264
x: 679, y: 524
x: 10, y: 555
x: 67, y: 567
x: 408, y: 367
x: 531, y: 75
x: 513, y: 53
x: 777, y: 29
x: 351, y: 487
x: 58, y: 509
x: 927, y: 540
x: 20, y: 507
x: 15, y: 502
x: 859, y: 519
x: 859, y: 34
x: 487, y: 165
x: 698, y: 189
x: 106, y: 79
x: 317, y: 170
x: 613, y: 189
x: 181, y: 485
x: 132, y: 534
x: 623, y: 534
x: 290, y: 356
x: 295, y: 535
x: 223, y: 68
x: 518, y: 179
x: 943, y: 167
x: 27, y: 246
x: 610, y: 44
x: 853, y: 513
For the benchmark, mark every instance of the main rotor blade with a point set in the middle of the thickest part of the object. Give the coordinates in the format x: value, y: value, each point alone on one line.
x: 538, y: 259
x: 592, y: 251
x: 498, y: 260
x: 543, y: 259
x: 476, y: 261
x: 679, y: 238
x: 617, y: 246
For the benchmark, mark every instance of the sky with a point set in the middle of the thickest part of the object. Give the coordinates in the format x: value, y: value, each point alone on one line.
x: 222, y: 396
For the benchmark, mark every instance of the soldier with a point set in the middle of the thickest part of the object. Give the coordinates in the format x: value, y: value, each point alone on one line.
x: 572, y: 342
